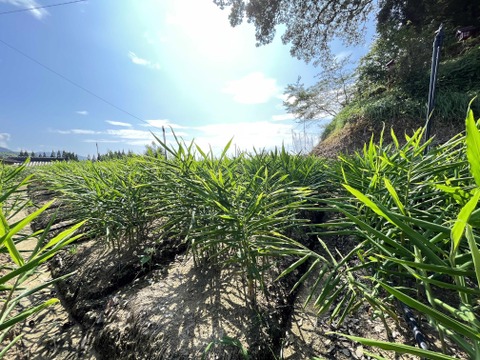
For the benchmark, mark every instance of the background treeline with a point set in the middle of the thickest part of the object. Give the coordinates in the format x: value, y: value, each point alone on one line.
x: 64, y: 155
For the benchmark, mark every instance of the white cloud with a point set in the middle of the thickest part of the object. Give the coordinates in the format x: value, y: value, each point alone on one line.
x: 130, y: 134
x: 101, y: 141
x: 142, y: 62
x: 158, y: 123
x: 254, y: 88
x: 287, y: 98
x: 246, y: 135
x: 283, y: 117
x: 118, y: 123
x: 4, y: 137
x: 82, y: 112
x: 84, y: 132
x: 136, y: 137
x: 343, y: 55
x: 76, y: 132
x: 26, y: 4
x: 63, y: 132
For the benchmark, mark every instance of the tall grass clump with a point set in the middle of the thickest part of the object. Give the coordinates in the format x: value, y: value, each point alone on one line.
x: 17, y: 266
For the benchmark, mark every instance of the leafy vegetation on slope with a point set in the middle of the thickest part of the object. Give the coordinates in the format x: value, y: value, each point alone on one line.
x: 398, y: 96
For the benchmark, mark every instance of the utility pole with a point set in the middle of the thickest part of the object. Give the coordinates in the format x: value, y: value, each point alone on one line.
x: 437, y: 44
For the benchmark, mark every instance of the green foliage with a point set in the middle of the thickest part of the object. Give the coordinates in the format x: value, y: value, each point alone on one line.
x: 227, y: 341
x: 229, y: 211
x: 402, y: 97
x: 410, y: 213
x: 114, y: 197
x: 235, y: 211
x: 15, y: 273
x: 309, y: 25
x: 387, y: 107
x: 333, y: 90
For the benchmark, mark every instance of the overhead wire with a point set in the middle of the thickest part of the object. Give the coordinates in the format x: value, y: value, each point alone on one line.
x: 40, y: 7
x: 73, y: 82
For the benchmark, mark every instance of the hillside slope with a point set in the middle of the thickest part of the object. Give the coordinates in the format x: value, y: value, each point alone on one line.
x: 402, y: 106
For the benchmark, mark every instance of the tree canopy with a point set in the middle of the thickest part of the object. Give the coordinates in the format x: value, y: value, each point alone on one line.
x: 310, y: 25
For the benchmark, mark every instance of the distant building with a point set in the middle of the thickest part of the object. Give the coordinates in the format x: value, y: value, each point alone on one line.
x: 466, y: 32
x: 17, y: 160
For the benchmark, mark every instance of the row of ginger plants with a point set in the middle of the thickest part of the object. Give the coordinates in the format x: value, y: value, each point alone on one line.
x: 410, y: 209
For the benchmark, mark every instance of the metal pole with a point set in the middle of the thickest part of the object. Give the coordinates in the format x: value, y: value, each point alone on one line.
x: 437, y: 44
x: 164, y: 141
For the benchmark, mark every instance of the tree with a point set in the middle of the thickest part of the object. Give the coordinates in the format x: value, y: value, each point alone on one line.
x: 310, y: 25
x: 421, y: 14
x: 326, y: 98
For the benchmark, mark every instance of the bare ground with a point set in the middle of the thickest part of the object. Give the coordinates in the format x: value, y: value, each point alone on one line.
x: 115, y: 308
x: 182, y: 311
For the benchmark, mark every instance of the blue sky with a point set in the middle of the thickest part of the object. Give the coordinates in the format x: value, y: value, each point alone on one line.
x: 163, y: 62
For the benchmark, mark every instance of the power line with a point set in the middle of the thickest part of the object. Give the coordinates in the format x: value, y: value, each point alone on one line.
x: 40, y: 7
x: 72, y: 82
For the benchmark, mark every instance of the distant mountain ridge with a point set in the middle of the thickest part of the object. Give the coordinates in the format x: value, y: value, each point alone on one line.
x: 5, y: 150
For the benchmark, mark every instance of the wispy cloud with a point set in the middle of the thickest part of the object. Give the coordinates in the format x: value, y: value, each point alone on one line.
x: 143, y: 62
x: 82, y: 112
x: 63, y: 132
x: 158, y: 123
x: 27, y: 4
x: 101, y: 141
x: 4, y: 137
x: 246, y: 135
x: 118, y: 123
x: 283, y: 117
x: 254, y: 88
x: 130, y: 134
x: 126, y: 136
x: 76, y: 132
x: 343, y: 55
x: 84, y: 132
